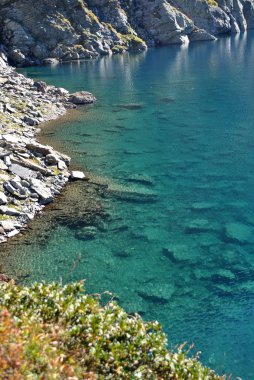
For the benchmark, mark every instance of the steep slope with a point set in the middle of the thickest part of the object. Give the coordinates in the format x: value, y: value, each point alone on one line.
x: 74, y: 29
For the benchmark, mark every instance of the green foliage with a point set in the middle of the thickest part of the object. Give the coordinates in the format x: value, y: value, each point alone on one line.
x: 93, y: 341
x: 213, y: 3
x: 118, y: 48
x: 131, y: 40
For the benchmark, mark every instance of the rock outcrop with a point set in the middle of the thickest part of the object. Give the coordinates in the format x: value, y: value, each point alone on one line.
x: 51, y: 30
x: 31, y: 174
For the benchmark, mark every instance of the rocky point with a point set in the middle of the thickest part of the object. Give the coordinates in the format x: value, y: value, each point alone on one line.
x: 31, y: 174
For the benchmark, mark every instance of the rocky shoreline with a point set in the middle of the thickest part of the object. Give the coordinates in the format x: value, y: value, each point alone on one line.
x: 31, y: 174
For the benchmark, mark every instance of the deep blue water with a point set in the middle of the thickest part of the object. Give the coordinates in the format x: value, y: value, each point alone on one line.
x: 179, y: 246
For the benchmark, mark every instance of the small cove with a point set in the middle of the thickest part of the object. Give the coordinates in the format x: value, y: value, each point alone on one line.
x: 172, y: 134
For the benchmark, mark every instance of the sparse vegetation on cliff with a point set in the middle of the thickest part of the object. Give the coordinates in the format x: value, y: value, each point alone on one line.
x: 212, y: 3
x: 59, y: 332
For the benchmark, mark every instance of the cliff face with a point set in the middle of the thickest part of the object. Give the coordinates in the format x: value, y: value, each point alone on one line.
x: 33, y: 31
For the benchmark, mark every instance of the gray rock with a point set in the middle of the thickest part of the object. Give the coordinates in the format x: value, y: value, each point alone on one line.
x: 4, y: 153
x: 62, y: 91
x: 17, y: 56
x: 61, y: 165
x: 43, y: 192
x: 41, y: 86
x: 30, y: 120
x: 30, y: 165
x: 11, y: 138
x: 82, y: 97
x: 21, y: 194
x: 22, y: 171
x: 51, y: 159
x: 39, y: 148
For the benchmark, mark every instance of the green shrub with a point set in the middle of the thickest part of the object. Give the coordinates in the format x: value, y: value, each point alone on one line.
x: 60, y: 331
x: 213, y: 3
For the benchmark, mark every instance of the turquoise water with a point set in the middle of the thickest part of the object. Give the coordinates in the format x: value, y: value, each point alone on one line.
x: 172, y: 133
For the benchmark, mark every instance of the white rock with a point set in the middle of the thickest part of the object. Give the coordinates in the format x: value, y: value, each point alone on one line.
x: 3, y: 239
x: 3, y: 166
x: 3, y: 198
x: 8, y: 225
x: 75, y: 175
x: 61, y: 165
x: 7, y: 160
x: 12, y: 233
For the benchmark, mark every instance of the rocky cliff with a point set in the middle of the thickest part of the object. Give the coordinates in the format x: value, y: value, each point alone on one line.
x: 33, y: 32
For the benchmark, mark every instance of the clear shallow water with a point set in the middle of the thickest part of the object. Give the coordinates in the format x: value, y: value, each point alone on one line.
x: 179, y: 245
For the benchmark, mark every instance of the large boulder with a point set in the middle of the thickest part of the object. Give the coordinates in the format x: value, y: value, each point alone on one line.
x: 82, y: 97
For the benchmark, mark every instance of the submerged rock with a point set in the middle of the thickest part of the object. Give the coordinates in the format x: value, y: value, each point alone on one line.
x: 180, y: 253
x: 203, y: 206
x: 86, y: 233
x: 223, y: 275
x: 160, y: 293
x: 167, y: 100
x: 239, y: 233
x: 198, y: 226
x: 141, y: 179
x: 131, y: 194
x: 131, y: 106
